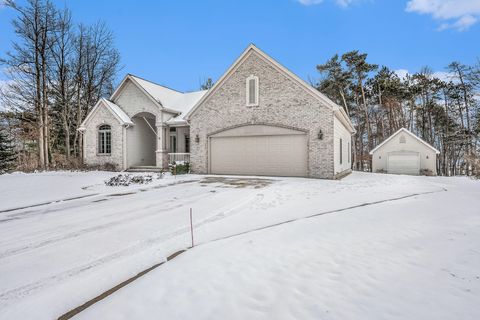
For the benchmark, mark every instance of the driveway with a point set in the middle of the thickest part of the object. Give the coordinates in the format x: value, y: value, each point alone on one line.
x: 59, y: 255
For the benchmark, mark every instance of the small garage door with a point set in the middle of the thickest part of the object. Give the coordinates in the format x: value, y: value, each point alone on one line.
x: 275, y: 155
x: 404, y: 164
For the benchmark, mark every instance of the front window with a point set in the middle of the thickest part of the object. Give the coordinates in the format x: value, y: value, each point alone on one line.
x: 104, y: 139
x: 187, y: 144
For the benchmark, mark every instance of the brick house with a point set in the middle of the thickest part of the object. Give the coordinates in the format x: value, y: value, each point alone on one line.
x: 258, y: 119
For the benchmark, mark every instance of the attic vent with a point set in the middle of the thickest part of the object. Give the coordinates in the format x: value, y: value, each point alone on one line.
x: 252, y: 91
x: 402, y: 139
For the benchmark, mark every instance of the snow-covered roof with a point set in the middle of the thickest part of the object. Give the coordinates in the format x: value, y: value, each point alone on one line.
x: 170, y: 99
x: 118, y: 112
x: 121, y: 116
x: 404, y: 130
x: 163, y: 95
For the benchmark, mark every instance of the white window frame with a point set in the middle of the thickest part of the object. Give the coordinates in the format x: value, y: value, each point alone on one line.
x: 103, y: 136
x: 349, y: 151
x: 341, y: 151
x: 247, y: 90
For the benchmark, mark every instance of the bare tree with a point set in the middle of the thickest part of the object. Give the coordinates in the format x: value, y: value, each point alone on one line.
x: 27, y: 65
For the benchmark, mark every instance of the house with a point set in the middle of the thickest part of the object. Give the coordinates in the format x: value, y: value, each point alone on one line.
x: 404, y: 153
x: 258, y: 119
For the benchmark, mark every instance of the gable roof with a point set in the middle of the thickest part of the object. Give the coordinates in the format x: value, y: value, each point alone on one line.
x: 341, y: 114
x: 118, y: 113
x: 404, y: 130
x: 163, y: 97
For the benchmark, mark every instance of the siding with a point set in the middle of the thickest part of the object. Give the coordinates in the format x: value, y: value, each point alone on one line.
x: 380, y: 156
x: 340, y: 132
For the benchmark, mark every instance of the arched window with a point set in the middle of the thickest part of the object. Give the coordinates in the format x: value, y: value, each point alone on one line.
x: 252, y: 91
x: 104, y: 139
x: 402, y: 139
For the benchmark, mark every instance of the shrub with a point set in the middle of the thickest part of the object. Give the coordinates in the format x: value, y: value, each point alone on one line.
x: 426, y: 172
x: 180, y: 168
x: 127, y: 179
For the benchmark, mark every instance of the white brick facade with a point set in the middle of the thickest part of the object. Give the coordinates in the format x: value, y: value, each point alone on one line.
x: 282, y: 102
x: 90, y: 139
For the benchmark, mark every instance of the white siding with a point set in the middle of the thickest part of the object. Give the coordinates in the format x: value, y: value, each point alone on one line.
x: 340, y: 132
x: 411, y: 145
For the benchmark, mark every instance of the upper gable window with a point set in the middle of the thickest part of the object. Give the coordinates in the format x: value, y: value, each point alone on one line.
x: 402, y: 139
x: 252, y: 91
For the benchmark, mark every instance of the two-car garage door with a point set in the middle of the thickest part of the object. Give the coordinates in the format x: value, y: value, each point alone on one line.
x: 403, y: 163
x: 259, y: 150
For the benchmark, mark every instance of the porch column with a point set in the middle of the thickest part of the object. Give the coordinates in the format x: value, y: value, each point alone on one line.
x: 162, y: 152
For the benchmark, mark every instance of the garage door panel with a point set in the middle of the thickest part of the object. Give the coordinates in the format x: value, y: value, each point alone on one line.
x: 283, y: 155
x: 403, y: 164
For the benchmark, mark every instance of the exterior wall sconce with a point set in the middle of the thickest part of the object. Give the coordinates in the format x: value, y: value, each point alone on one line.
x: 320, y: 135
x: 197, y: 139
x: 379, y: 157
x: 427, y: 157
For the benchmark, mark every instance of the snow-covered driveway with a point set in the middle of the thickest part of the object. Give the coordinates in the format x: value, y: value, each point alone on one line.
x: 55, y: 257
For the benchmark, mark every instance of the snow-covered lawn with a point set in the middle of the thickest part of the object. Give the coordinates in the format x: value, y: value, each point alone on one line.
x: 411, y: 258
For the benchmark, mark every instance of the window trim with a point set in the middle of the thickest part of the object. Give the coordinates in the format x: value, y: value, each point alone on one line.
x: 247, y: 90
x: 102, y: 135
x: 341, y: 151
x: 187, y: 143
x: 349, y: 151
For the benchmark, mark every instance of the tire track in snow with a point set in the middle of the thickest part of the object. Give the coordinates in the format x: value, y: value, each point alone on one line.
x: 366, y: 204
x: 84, y: 231
x: 59, y: 228
x: 26, y: 290
x: 79, y: 309
x: 70, y: 203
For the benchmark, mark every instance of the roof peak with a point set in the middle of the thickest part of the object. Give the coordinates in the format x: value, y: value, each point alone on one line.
x: 152, y: 82
x: 403, y: 129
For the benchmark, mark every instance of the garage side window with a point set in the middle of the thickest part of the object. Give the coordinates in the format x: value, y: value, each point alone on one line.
x: 341, y: 151
x: 348, y: 151
x: 104, y: 139
x: 252, y: 91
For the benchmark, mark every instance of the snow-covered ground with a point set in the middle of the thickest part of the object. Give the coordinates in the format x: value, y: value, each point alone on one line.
x: 411, y: 258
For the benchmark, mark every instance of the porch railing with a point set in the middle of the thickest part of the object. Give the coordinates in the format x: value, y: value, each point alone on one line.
x: 178, y: 157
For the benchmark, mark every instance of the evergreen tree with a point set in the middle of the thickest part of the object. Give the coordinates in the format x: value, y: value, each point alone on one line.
x: 207, y: 84
x: 7, y: 152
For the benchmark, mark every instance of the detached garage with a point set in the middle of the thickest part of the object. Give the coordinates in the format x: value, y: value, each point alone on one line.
x: 404, y: 153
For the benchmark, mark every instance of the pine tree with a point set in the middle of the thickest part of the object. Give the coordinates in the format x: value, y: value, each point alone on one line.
x: 207, y: 84
x: 7, y: 152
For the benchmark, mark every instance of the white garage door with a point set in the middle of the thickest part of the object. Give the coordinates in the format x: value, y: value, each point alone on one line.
x: 404, y: 164
x: 275, y: 155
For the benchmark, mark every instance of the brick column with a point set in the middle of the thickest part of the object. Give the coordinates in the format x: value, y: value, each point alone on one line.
x: 161, y: 152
